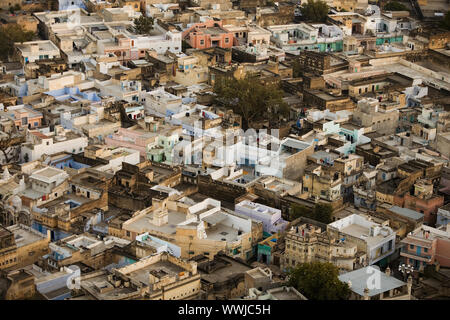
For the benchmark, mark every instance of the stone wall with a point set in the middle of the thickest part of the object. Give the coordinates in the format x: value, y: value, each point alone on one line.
x: 219, y: 190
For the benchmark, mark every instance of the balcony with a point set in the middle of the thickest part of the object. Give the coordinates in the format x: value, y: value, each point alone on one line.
x: 411, y: 255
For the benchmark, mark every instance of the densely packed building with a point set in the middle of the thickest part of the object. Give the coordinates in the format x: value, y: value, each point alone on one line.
x: 132, y: 164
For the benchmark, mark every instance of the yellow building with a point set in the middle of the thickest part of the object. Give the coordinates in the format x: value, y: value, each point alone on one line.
x: 201, y: 228
x: 135, y: 4
x: 309, y: 243
x: 158, y: 277
x: 322, y: 182
x: 21, y: 246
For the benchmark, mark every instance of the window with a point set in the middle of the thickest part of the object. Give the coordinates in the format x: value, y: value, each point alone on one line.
x: 202, y: 42
x: 128, y: 233
x: 227, y: 40
x: 411, y: 246
x: 425, y: 249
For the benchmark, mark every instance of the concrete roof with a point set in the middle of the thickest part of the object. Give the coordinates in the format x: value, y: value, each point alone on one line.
x: 408, y: 213
x: 362, y: 278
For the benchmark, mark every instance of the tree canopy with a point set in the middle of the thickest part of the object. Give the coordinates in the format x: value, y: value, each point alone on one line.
x: 9, y: 34
x: 318, y: 281
x: 321, y: 212
x: 250, y: 98
x: 395, y: 6
x: 143, y: 25
x: 316, y: 11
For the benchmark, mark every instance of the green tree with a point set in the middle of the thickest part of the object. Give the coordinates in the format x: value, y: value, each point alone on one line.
x: 250, y: 98
x: 323, y: 212
x: 10, y: 34
x: 395, y: 6
x: 446, y: 22
x: 298, y: 211
x: 143, y: 25
x: 316, y: 11
x: 318, y: 281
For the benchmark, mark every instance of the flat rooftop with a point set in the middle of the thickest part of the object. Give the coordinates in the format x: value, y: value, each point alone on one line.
x: 286, y: 293
x: 228, y: 268
x: 361, y: 277
x: 221, y: 232
x: 142, y: 275
x: 24, y: 235
x: 408, y: 213
x: 145, y: 223
x: 48, y: 172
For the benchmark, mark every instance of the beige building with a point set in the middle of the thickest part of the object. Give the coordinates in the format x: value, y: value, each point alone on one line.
x: 21, y: 246
x: 322, y: 182
x: 197, y: 228
x: 368, y: 114
x: 307, y: 243
x: 36, y: 50
x: 158, y: 277
x: 347, y: 5
x: 190, y: 71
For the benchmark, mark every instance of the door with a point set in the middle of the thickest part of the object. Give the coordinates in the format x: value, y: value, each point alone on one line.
x: 419, y: 249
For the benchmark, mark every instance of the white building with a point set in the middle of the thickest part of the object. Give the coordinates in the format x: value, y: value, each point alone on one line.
x: 294, y: 37
x: 36, y: 50
x: 59, y: 81
x: 40, y: 144
x: 378, y: 241
x: 270, y: 217
x: 122, y: 90
x: 46, y: 179
x: 115, y: 156
x: 160, y: 102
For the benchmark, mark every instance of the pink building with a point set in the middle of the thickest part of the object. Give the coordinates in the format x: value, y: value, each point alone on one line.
x: 133, y: 139
x: 427, y: 246
x: 424, y: 201
x: 207, y: 35
x: 427, y: 206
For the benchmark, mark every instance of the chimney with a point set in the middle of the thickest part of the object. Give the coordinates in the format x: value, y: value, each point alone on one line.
x: 409, y: 285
